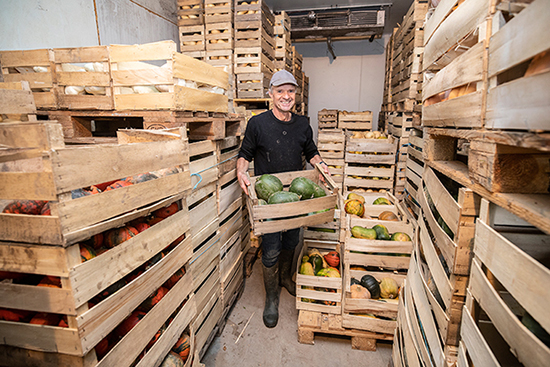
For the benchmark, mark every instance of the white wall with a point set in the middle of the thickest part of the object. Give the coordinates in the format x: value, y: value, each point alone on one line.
x: 31, y: 24
x: 354, y: 81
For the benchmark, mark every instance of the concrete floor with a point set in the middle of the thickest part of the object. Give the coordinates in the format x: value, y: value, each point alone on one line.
x: 260, y: 346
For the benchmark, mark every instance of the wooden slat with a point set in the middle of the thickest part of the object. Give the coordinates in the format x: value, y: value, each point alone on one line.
x: 29, y: 228
x: 33, y: 259
x: 41, y: 337
x: 190, y: 99
x: 463, y: 111
x: 39, y: 299
x: 529, y: 349
x: 519, y: 273
x: 445, y: 204
x: 17, y: 101
x: 27, y: 186
x: 517, y: 41
x: 476, y: 345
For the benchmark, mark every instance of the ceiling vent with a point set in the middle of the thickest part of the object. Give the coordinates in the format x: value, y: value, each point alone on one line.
x: 336, y: 24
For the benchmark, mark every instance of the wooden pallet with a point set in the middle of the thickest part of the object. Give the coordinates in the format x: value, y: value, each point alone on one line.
x: 311, y: 323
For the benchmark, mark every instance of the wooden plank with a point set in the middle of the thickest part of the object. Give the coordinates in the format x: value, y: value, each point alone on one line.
x: 520, y: 104
x: 33, y: 259
x: 456, y: 26
x: 478, y: 350
x: 443, y: 284
x: 189, y: 99
x: 465, y: 69
x: 29, y: 228
x: 512, y: 267
x: 39, y: 299
x: 517, y: 41
x: 110, y: 162
x: 463, y: 111
x: 17, y: 101
x: 445, y: 204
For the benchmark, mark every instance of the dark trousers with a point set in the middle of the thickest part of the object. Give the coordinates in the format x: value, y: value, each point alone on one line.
x: 273, y: 243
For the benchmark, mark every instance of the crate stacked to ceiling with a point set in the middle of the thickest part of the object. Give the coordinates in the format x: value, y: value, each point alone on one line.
x: 387, y: 106
x: 299, y: 76
x: 485, y: 79
x: 82, y: 304
x: 219, y: 35
x: 369, y: 156
x: 283, y: 46
x: 407, y: 47
x: 331, y: 144
x: 254, y: 48
x: 191, y: 28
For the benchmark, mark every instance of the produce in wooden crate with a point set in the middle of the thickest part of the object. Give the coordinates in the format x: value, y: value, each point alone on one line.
x: 354, y: 196
x: 116, y: 236
x: 182, y: 347
x: 332, y: 259
x: 86, y: 252
x: 388, y: 288
x: 266, y: 185
x: 172, y: 360
x: 33, y: 207
x: 354, y: 207
x: 381, y: 201
x: 283, y: 197
x: 358, y: 291
x: 362, y: 232
x: 387, y: 215
x: 372, y: 285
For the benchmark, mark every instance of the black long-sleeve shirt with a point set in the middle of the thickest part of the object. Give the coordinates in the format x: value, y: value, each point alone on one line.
x: 275, y: 145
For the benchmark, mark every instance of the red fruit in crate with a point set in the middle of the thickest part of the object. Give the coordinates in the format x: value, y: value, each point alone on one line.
x: 103, y: 186
x: 102, y: 348
x: 94, y: 190
x: 118, y: 185
x: 116, y: 236
x: 63, y: 322
x: 140, y: 227
x: 86, y: 252
x: 14, y: 315
x: 155, y: 220
x: 129, y: 323
x: 166, y: 211
x: 45, y: 318
x: 174, y: 278
x: 46, y: 210
x: 153, y: 299
x: 33, y: 207
x: 182, y: 347
x: 333, y: 259
x: 48, y: 281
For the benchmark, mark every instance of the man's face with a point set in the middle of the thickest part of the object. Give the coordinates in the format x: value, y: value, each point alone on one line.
x: 284, y: 97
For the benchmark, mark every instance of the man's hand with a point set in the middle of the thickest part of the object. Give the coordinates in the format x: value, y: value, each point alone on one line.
x: 242, y: 168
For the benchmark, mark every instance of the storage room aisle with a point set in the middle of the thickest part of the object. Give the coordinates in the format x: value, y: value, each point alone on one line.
x: 260, y: 346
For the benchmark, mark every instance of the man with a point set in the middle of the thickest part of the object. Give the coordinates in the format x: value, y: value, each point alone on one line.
x: 276, y: 140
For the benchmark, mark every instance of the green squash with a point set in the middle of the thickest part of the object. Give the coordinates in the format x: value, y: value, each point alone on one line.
x: 381, y: 232
x: 317, y: 262
x: 302, y: 187
x: 266, y: 185
x: 372, y: 285
x: 283, y: 197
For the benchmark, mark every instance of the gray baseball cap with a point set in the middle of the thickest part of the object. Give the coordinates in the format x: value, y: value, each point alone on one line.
x: 282, y: 77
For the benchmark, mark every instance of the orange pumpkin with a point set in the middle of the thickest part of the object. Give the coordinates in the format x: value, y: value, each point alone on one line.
x: 182, y: 347
x: 153, y: 299
x: 174, y: 278
x: 332, y: 259
x: 354, y: 207
x: 118, y: 185
x: 86, y: 253
x: 45, y: 318
x: 14, y: 315
x: 48, y: 281
x: 166, y: 211
x: 116, y: 236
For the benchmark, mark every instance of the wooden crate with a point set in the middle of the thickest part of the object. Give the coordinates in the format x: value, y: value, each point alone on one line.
x: 455, y: 44
x: 130, y: 69
x: 233, y: 285
x: 254, y: 26
x: 16, y: 102
x: 190, y: 12
x: 33, y: 180
x: 400, y: 124
x: 404, y: 352
x: 374, y: 256
x: 83, y: 68
x: 81, y: 282
x: 219, y: 36
x: 230, y: 260
x: 446, y: 230
x: 370, y: 163
x: 297, y: 61
x: 207, y: 319
x: 218, y: 11
x: 355, y: 120
x: 318, y: 294
x: 327, y: 119
x: 192, y: 38
x: 278, y: 217
x: 331, y: 143
x: 329, y: 231
x: 203, y: 163
x: 506, y: 253
x: 35, y: 67
x: 282, y: 24
x: 513, y: 100
x: 222, y: 58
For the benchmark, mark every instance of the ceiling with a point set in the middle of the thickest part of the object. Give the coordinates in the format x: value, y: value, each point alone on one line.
x: 397, y: 8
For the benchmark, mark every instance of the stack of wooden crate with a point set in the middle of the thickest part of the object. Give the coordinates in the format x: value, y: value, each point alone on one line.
x: 369, y: 156
x: 219, y: 34
x: 387, y: 106
x: 492, y: 65
x: 283, y: 47
x: 298, y: 75
x: 191, y: 29
x: 95, y: 307
x: 331, y: 144
x: 405, y: 84
x: 254, y: 48
x: 305, y: 95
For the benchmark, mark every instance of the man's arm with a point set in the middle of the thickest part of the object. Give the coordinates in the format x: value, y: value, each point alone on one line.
x: 317, y: 159
x: 242, y: 167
